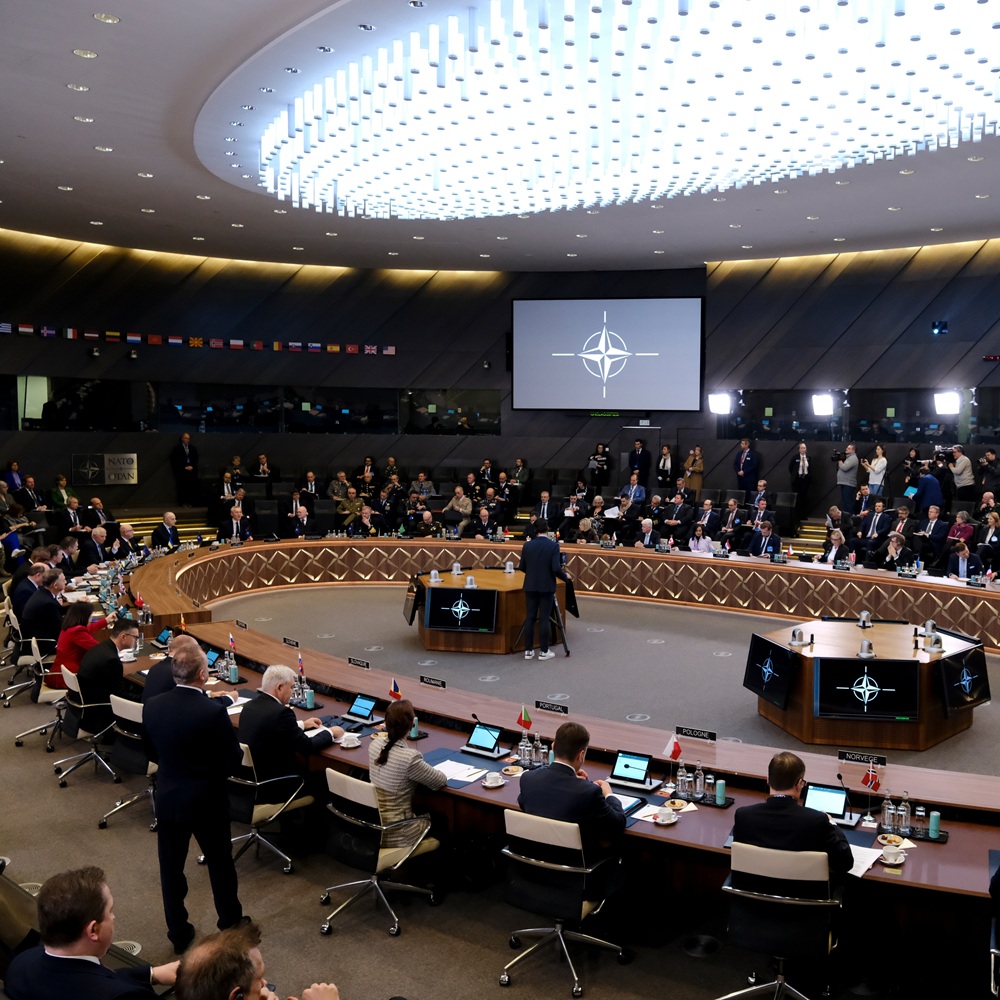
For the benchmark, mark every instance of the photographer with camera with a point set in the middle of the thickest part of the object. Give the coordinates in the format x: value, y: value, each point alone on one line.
x: 847, y: 477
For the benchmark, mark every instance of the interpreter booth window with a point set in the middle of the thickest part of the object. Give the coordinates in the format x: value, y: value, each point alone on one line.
x: 450, y: 411
x: 784, y: 415
x: 341, y: 410
x: 204, y: 408
x: 938, y: 418
x: 69, y: 404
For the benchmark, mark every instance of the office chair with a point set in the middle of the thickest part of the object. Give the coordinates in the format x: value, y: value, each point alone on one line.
x: 994, y: 959
x: 547, y: 874
x: 253, y: 801
x: 73, y: 726
x: 56, y: 697
x: 364, y: 841
x: 782, y: 905
x: 128, y: 754
x: 21, y: 663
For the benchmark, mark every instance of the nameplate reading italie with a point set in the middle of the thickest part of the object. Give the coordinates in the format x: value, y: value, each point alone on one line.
x: 552, y: 706
x: 855, y: 757
x: 242, y: 625
x: 697, y: 734
x: 434, y: 682
x: 354, y: 661
x: 294, y: 643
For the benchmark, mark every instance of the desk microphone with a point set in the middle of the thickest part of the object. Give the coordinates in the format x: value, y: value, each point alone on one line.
x: 847, y: 794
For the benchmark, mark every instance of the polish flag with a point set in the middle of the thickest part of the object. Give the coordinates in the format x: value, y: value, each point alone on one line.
x: 673, y: 747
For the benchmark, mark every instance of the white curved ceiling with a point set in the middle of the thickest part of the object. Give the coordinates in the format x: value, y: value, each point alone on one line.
x: 676, y: 138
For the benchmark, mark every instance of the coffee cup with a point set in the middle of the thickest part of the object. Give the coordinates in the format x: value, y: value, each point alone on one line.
x: 892, y: 853
x: 494, y: 778
x: 665, y: 815
x: 350, y: 740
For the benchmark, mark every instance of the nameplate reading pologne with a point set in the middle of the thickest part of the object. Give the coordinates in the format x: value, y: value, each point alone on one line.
x: 434, y: 682
x: 853, y: 757
x: 242, y: 625
x: 552, y: 706
x: 354, y: 661
x: 697, y: 734
x: 294, y: 643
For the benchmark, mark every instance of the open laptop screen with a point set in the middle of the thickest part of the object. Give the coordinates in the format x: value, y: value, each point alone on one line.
x: 484, y: 737
x: 363, y: 707
x: 829, y: 799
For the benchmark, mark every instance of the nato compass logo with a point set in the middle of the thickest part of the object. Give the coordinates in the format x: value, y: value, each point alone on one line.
x: 767, y: 671
x: 605, y: 355
x: 866, y: 689
x: 460, y: 609
x: 965, y: 681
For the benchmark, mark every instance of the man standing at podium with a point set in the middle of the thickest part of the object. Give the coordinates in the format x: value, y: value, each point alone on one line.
x: 541, y: 564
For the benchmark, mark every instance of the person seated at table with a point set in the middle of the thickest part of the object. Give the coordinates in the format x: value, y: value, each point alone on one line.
x: 763, y: 543
x: 349, y: 509
x: 931, y: 535
x: 988, y: 542
x: 368, y: 525
x: 872, y: 531
x: 836, y: 519
x: 731, y: 522
x: 337, y: 490
x: 627, y: 525
x: 753, y: 523
x: 585, y: 533
x: 894, y: 554
x: 77, y: 635
x: 962, y: 563
x: 482, y: 526
x: 234, y: 527
x: 700, y: 541
x: 423, y: 485
x: 95, y: 548
x: 648, y: 538
x: 457, y: 512
x: 633, y: 489
x: 396, y: 770
x: 961, y: 531
x: 575, y: 508
x: 426, y: 526
x: 678, y: 516
x: 305, y: 524
x: 597, y: 515
x: 386, y: 506
x: 835, y: 549
x: 708, y: 518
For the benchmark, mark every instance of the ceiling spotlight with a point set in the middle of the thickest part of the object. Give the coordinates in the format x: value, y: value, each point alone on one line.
x: 133, y: 355
x: 94, y: 352
x: 822, y: 404
x: 939, y: 327
x: 720, y: 402
x: 947, y: 403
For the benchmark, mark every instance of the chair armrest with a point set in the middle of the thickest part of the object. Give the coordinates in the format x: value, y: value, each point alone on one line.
x: 549, y: 865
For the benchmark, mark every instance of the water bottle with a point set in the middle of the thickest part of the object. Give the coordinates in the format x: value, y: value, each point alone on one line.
x: 683, y: 781
x: 536, y: 752
x: 888, y: 813
x: 170, y: 636
x: 919, y: 823
x: 699, y: 782
x: 903, y: 816
x: 524, y: 750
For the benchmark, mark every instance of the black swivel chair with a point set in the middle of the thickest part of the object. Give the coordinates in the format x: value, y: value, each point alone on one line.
x: 782, y: 905
x: 548, y: 874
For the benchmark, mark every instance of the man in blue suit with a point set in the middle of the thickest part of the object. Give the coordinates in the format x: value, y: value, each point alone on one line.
x: 165, y: 535
x: 764, y: 543
x: 928, y: 493
x: 962, y: 564
x: 77, y: 924
x: 541, y: 565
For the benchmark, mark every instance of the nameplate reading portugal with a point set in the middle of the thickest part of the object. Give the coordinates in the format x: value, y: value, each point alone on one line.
x: 354, y: 661
x: 697, y: 734
x: 854, y: 757
x: 552, y: 706
x: 242, y: 625
x: 434, y: 682
x: 294, y: 643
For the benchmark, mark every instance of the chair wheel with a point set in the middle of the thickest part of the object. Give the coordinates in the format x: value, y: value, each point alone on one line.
x: 325, y: 929
x: 49, y: 748
x: 152, y: 826
x: 578, y: 991
x: 118, y: 779
x: 56, y: 770
x: 324, y: 899
x: 752, y: 979
x: 287, y: 869
x: 624, y: 957
x: 102, y: 824
x: 201, y: 859
x: 19, y: 743
x: 42, y: 732
x: 515, y: 941
x: 62, y: 783
x: 394, y: 930
x: 435, y: 899
x: 504, y: 979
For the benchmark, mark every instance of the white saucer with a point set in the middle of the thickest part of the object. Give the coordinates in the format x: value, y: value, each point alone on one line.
x: 665, y: 822
x: 885, y: 861
x: 350, y: 746
x: 499, y: 784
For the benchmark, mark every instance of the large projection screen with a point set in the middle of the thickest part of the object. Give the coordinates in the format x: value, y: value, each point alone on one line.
x: 607, y: 354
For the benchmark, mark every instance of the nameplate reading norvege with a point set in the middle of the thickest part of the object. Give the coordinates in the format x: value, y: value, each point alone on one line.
x: 697, y: 734
x: 434, y: 682
x: 855, y: 757
x: 552, y: 706
x: 354, y: 661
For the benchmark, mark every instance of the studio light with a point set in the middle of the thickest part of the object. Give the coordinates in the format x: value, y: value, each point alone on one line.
x: 720, y: 402
x: 823, y: 404
x: 939, y: 327
x: 947, y: 403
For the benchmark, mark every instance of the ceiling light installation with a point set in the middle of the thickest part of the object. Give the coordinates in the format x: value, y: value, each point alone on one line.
x: 514, y: 107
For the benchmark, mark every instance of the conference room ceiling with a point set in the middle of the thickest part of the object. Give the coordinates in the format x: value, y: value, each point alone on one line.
x: 639, y: 135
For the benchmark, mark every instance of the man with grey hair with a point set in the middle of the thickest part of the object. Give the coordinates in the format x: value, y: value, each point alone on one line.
x: 193, y: 741
x: 648, y: 538
x: 94, y: 549
x: 269, y: 728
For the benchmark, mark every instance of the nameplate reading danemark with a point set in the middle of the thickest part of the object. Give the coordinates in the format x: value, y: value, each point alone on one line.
x: 552, y: 706
x: 434, y: 682
x: 354, y: 661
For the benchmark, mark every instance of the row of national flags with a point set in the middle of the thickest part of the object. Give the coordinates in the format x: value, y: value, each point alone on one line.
x: 212, y: 343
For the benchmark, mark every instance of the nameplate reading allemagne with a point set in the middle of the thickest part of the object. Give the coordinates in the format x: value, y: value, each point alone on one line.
x: 697, y: 734
x: 354, y: 661
x: 434, y: 682
x: 854, y: 757
x: 242, y: 625
x: 552, y: 706
x: 294, y: 643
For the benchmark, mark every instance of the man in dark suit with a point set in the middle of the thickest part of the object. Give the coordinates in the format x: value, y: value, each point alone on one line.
x: 746, y: 465
x: 800, y: 471
x: 276, y: 740
x: 903, y: 524
x: 70, y: 520
x: 77, y: 924
x: 931, y: 535
x: 101, y: 674
x: 42, y: 618
x: 482, y: 526
x: 962, y: 564
x: 541, y: 564
x: 759, y: 515
x: 564, y: 791
x: 640, y: 461
x: 677, y: 520
x: 126, y: 544
x: 184, y: 464
x: 309, y: 491
x: 191, y: 738
x: 304, y: 524
x: 234, y: 526
x: 731, y: 523
x: 763, y: 543
x: 26, y: 586
x: 165, y: 535
x: 97, y: 514
x: 707, y: 517
x: 781, y: 824
x: 545, y: 508
x: 873, y: 531
x: 28, y: 497
x: 648, y: 538
x: 94, y: 549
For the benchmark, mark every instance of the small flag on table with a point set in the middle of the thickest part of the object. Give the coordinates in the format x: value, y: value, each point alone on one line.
x: 870, y: 780
x: 302, y: 672
x: 524, y: 720
x: 394, y: 690
x: 184, y: 627
x: 673, y: 747
x: 232, y: 643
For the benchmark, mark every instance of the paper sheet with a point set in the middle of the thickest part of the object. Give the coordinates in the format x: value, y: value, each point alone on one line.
x: 864, y: 858
x: 456, y: 771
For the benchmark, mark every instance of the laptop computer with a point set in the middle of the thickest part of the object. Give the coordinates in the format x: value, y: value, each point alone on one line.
x: 484, y: 741
x: 363, y: 710
x: 631, y: 770
x: 162, y: 640
x: 832, y: 800
x: 212, y: 655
